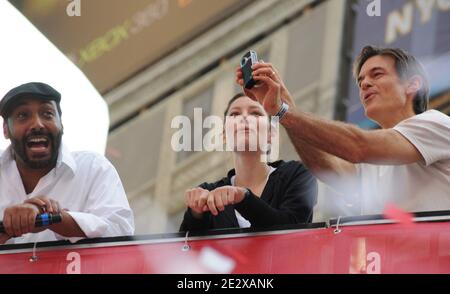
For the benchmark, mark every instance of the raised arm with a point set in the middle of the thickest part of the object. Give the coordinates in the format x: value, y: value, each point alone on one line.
x: 342, y: 140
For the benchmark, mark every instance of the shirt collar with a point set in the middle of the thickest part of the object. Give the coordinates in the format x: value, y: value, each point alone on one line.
x: 65, y: 158
x: 273, y: 165
x: 6, y: 156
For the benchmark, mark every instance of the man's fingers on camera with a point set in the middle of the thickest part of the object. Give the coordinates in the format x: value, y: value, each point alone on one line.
x: 239, y: 78
x: 260, y: 64
x: 268, y: 66
x: 265, y: 72
x: 268, y: 81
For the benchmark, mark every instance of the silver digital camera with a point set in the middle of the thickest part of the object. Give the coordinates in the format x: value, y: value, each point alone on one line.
x: 247, y: 61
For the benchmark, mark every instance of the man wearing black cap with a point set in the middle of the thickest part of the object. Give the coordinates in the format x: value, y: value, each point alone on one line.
x: 38, y: 173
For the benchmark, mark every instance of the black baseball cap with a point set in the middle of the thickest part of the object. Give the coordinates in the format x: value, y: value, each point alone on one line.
x: 30, y: 90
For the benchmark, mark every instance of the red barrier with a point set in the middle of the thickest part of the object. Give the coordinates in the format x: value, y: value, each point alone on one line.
x: 382, y: 248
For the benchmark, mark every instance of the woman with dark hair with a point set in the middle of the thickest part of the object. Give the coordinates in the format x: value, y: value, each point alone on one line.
x: 255, y: 193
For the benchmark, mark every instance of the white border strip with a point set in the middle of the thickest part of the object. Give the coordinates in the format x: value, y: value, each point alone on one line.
x: 389, y: 221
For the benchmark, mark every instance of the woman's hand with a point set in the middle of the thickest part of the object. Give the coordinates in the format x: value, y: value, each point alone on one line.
x: 196, y: 199
x: 223, y: 196
x: 200, y: 200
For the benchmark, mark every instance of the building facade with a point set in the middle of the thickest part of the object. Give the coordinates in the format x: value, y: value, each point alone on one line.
x: 303, y: 39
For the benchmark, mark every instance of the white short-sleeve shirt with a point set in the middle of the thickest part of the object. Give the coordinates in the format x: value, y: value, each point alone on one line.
x: 422, y: 186
x: 85, y: 183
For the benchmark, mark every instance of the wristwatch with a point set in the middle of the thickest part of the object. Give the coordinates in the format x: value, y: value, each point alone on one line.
x: 283, y: 109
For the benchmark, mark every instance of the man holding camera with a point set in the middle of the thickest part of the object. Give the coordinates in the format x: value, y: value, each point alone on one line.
x: 406, y: 162
x: 39, y: 175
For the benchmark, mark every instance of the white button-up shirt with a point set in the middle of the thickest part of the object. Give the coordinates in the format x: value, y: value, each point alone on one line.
x: 85, y: 183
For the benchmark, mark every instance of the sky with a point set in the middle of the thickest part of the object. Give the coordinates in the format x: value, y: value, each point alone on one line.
x: 26, y: 55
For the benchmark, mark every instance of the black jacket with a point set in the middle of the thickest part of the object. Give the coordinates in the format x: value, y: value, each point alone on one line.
x: 288, y: 198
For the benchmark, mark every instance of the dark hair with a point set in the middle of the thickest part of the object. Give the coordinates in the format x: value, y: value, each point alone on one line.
x: 235, y: 97
x: 406, y: 66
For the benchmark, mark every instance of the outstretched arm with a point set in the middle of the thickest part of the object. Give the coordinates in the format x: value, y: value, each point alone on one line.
x: 342, y: 140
